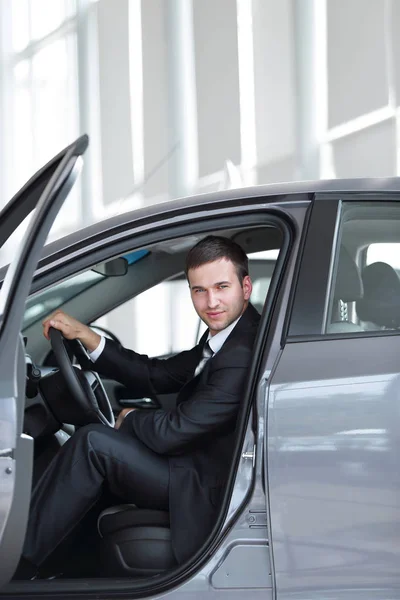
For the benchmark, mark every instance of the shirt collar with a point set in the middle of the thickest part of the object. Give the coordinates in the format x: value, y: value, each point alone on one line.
x: 216, y: 341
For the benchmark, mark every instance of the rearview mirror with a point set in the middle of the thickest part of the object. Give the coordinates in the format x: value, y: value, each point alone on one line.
x: 115, y: 267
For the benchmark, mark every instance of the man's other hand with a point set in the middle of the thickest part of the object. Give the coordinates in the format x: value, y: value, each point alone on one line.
x: 72, y: 329
x: 122, y: 416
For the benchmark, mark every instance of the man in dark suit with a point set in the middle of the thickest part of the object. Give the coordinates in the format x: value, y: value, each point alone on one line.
x: 175, y: 460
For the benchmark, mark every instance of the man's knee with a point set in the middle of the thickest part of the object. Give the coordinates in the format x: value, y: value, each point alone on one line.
x: 90, y: 435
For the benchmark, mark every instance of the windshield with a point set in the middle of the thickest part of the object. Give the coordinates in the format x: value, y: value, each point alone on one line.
x: 45, y: 302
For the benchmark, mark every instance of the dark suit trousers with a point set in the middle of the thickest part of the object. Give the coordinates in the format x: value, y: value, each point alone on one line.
x: 96, y: 459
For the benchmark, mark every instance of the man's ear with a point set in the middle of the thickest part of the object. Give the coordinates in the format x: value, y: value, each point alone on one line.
x: 247, y: 287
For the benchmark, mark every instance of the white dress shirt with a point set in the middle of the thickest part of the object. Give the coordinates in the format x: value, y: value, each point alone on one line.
x: 94, y: 355
x: 216, y: 341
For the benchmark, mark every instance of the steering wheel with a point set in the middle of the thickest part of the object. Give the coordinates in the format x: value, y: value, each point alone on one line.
x: 87, y: 401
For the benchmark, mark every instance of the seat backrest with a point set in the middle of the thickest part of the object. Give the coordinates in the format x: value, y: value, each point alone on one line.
x: 380, y: 303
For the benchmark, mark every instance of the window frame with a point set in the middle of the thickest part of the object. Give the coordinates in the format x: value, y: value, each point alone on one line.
x: 209, y: 224
x: 197, y: 325
x: 314, y: 285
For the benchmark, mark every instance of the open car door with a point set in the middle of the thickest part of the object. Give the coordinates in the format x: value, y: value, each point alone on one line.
x: 45, y: 192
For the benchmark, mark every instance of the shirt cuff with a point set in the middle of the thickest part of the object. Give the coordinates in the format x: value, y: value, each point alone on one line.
x: 94, y: 355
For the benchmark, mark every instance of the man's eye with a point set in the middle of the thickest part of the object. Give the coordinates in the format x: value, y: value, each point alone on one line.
x: 223, y: 286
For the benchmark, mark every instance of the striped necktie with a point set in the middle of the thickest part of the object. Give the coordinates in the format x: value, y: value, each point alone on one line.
x: 207, y: 353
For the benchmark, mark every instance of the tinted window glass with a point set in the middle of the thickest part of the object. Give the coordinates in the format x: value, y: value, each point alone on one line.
x: 389, y: 253
x: 44, y: 303
x: 365, y: 291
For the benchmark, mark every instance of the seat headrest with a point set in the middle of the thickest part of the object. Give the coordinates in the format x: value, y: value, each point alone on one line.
x: 348, y: 285
x: 381, y: 301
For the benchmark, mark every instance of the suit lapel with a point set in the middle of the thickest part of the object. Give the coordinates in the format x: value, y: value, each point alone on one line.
x: 249, y: 316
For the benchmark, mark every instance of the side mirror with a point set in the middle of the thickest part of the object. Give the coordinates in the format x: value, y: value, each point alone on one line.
x: 116, y: 267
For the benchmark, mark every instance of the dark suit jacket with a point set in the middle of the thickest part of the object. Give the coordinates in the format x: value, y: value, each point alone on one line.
x: 197, y: 436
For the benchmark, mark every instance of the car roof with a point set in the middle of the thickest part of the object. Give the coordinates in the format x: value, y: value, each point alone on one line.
x: 267, y: 193
x: 261, y: 194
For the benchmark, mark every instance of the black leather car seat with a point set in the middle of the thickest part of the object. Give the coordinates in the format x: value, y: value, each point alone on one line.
x: 381, y: 301
x: 348, y: 288
x: 135, y: 541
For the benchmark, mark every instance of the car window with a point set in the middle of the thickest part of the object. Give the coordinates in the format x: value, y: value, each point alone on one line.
x: 145, y: 322
x: 45, y: 302
x: 384, y: 252
x: 365, y: 291
x: 50, y: 299
x: 261, y: 267
x: 162, y: 320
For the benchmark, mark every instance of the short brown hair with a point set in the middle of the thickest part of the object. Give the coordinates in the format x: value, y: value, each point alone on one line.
x: 214, y: 247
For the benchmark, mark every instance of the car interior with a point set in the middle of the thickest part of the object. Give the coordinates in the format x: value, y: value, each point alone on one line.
x: 131, y: 542
x: 366, y: 290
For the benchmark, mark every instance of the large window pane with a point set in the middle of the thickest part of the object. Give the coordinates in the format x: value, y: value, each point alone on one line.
x: 55, y: 97
x: 20, y: 24
x: 43, y: 97
x: 22, y: 126
x: 48, y: 15
x: 34, y: 19
x: 45, y: 112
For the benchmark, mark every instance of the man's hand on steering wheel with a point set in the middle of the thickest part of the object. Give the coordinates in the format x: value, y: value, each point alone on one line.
x: 88, y: 401
x: 72, y: 329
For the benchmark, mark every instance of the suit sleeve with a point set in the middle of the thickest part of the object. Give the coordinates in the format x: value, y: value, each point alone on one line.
x: 143, y: 375
x: 212, y: 409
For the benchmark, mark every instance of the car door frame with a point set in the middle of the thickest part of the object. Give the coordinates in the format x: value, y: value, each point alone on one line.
x: 235, y: 523
x: 49, y: 189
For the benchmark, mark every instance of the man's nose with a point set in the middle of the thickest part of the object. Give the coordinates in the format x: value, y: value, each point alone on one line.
x: 213, y: 299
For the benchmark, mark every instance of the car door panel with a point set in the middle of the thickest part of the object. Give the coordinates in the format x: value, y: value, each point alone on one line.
x: 333, y: 436
x: 16, y: 460
x: 16, y: 449
x: 333, y: 476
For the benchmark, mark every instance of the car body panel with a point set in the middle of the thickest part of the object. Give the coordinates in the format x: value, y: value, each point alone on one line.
x: 192, y: 207
x: 333, y: 474
x: 333, y: 442
x: 262, y: 194
x: 15, y: 448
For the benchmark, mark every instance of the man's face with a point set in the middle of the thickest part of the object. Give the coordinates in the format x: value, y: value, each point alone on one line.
x: 218, y: 296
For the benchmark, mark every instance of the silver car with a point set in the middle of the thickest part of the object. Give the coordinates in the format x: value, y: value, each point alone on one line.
x: 312, y: 505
